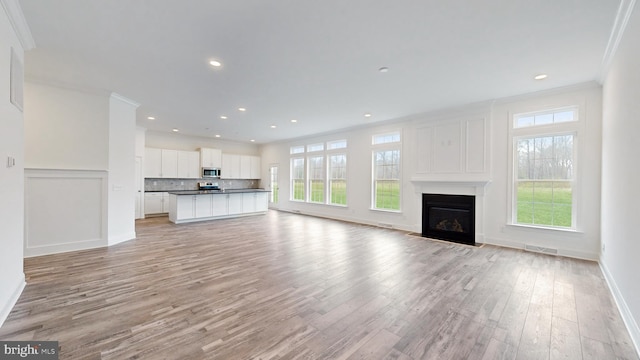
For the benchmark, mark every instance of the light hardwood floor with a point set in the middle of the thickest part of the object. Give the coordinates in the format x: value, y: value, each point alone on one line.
x: 286, y: 286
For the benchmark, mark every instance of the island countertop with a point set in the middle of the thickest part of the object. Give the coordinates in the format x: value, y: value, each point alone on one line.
x: 206, y: 192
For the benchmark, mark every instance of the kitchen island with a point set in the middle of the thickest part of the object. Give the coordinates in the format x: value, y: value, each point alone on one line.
x: 200, y: 205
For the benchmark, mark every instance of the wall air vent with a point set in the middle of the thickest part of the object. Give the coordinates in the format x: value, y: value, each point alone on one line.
x: 540, y: 249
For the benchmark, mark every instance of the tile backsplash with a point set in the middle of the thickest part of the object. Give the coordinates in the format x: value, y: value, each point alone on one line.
x: 151, y: 184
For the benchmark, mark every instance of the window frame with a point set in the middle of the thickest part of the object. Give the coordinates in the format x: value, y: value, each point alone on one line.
x: 330, y: 179
x: 293, y: 179
x: 310, y: 193
x: 574, y: 128
x: 394, y: 145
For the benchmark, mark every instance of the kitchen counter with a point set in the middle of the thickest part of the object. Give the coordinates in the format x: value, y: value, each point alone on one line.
x: 199, y: 205
x: 227, y: 191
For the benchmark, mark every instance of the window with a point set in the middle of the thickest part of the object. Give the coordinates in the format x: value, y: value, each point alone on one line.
x: 337, y: 144
x: 386, y: 172
x: 544, y: 168
x: 316, y: 179
x: 386, y: 138
x: 297, y: 179
x: 297, y: 150
x: 315, y: 147
x: 338, y: 179
x: 322, y: 178
x: 273, y: 177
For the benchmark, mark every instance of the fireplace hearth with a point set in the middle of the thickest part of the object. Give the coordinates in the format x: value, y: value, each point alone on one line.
x: 449, y: 217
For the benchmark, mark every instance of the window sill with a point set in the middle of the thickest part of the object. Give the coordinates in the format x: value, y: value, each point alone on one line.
x: 387, y: 211
x: 543, y: 228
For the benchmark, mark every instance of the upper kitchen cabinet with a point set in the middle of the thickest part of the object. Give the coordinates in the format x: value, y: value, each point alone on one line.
x: 240, y: 166
x: 230, y: 166
x: 210, y: 158
x: 188, y: 164
x: 152, y: 163
x: 160, y: 163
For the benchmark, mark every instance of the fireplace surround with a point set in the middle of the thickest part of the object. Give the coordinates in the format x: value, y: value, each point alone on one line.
x: 449, y: 217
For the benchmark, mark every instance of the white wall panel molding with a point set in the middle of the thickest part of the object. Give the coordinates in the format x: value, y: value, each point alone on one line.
x: 453, y: 150
x: 19, y: 23
x: 65, y: 210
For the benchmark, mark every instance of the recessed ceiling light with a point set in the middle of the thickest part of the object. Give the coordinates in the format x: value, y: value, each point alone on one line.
x: 175, y: 130
x: 383, y: 69
x: 223, y: 117
x: 215, y: 63
x: 217, y: 135
x: 242, y: 109
x: 540, y: 77
x: 294, y: 120
x: 367, y: 115
x: 252, y: 140
x: 151, y: 118
x: 273, y: 126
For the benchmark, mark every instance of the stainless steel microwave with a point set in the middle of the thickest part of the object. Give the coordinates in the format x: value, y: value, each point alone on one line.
x: 211, y: 172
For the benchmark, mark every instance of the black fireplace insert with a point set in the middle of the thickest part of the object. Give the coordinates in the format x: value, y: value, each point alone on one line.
x: 449, y: 217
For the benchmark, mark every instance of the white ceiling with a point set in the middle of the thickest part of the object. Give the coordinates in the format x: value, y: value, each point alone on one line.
x: 314, y: 61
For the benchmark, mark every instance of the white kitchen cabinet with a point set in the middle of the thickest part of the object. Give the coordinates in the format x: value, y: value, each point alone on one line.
x: 160, y: 163
x: 184, y: 207
x: 248, y: 202
x: 169, y: 163
x: 203, y: 206
x: 235, y: 203
x: 198, y: 207
x: 245, y: 167
x: 220, y: 205
x: 230, y: 166
x: 255, y: 167
x: 262, y: 201
x: 255, y: 202
x: 210, y: 158
x: 152, y: 163
x: 156, y: 203
x: 188, y: 164
x: 240, y: 166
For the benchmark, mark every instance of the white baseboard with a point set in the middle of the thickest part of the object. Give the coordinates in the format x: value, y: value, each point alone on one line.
x: 627, y: 317
x: 561, y: 252
x: 114, y: 240
x: 61, y: 248
x: 11, y: 302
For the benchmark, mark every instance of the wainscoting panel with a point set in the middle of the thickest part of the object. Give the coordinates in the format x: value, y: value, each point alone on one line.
x: 65, y: 210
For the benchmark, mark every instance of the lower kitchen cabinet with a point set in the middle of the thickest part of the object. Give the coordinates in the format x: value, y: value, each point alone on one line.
x: 196, y: 207
x: 156, y: 203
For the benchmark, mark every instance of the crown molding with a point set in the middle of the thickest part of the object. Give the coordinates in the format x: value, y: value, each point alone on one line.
x: 125, y: 99
x: 617, y: 31
x: 19, y: 23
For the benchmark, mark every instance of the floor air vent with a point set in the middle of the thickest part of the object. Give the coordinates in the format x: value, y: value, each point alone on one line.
x: 540, y: 249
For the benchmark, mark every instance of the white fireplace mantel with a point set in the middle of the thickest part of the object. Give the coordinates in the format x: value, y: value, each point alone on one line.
x: 455, y: 184
x: 478, y: 183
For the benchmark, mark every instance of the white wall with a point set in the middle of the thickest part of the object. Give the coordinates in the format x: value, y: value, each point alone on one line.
x: 80, y: 154
x: 472, y: 168
x: 122, y: 156
x: 65, y: 129
x: 620, y: 174
x: 67, y: 158
x: 11, y: 178
x: 178, y: 141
